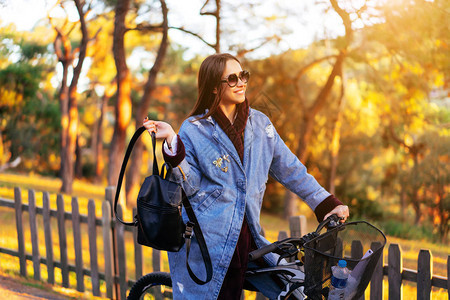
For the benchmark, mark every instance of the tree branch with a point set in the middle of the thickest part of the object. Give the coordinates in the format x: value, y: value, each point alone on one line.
x: 146, y: 28
x: 242, y: 52
x: 208, y: 13
x: 194, y: 34
x: 325, y: 91
x: 83, y: 46
x: 310, y: 65
x: 345, y: 19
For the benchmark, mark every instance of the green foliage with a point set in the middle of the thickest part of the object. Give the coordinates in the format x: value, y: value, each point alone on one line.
x: 397, y: 228
x: 362, y: 208
x: 22, y: 77
x: 30, y: 114
x: 32, y: 50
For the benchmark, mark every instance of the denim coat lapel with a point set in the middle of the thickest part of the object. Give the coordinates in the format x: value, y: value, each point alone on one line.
x: 248, y: 139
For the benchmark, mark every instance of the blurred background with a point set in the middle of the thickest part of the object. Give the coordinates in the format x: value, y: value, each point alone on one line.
x: 358, y: 90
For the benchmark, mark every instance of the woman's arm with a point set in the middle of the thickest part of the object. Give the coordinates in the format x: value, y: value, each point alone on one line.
x: 289, y: 171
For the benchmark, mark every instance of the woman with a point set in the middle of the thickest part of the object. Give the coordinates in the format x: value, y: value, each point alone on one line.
x: 224, y: 153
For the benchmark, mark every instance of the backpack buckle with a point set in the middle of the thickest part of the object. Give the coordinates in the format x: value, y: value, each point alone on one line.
x: 188, y: 232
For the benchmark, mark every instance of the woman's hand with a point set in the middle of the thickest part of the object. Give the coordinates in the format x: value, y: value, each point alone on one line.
x: 161, y: 129
x: 341, y: 211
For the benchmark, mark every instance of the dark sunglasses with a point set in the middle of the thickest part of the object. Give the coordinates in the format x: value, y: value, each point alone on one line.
x: 233, y: 79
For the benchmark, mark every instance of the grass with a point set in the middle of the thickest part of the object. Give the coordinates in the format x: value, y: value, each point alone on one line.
x: 85, y: 191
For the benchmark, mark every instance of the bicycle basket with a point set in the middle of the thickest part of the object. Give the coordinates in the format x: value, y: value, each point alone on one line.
x: 348, y: 241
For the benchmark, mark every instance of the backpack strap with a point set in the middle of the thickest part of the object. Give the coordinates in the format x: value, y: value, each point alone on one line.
x: 124, y: 166
x: 192, y: 225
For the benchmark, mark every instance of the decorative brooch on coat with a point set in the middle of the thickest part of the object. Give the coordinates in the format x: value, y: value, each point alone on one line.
x: 222, y: 161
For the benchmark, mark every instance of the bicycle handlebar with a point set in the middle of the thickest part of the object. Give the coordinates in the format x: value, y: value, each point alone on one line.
x: 258, y: 253
x: 330, y: 222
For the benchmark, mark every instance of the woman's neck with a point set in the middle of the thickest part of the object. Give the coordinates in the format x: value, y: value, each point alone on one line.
x: 229, y: 111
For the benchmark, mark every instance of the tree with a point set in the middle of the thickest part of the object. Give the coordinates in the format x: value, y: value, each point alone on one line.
x: 320, y: 100
x: 405, y: 61
x: 123, y: 99
x: 243, y: 35
x: 102, y: 88
x: 29, y: 116
x: 136, y: 158
x: 435, y: 172
x: 68, y: 92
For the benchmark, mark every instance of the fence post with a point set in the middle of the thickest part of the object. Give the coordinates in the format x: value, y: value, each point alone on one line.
x: 448, y: 276
x: 121, y: 255
x: 48, y: 237
x: 34, y: 235
x: 20, y: 235
x: 395, y: 269
x: 356, y: 253
x: 62, y: 241
x: 297, y: 226
x: 339, y: 249
x: 156, y: 260
x: 109, y: 196
x: 138, y: 256
x: 92, y: 232
x: 107, y: 248
x: 357, y: 249
x: 376, y: 284
x: 282, y: 235
x: 76, y: 228
x: 424, y: 275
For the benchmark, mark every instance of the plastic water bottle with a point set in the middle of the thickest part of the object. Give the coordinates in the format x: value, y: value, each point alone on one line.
x: 338, y: 280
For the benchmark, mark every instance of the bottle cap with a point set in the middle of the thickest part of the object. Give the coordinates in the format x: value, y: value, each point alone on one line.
x: 342, y: 263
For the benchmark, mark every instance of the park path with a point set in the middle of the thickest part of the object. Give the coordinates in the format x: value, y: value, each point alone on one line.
x: 12, y: 289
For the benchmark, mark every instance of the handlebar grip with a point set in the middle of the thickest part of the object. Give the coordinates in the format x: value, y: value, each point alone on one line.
x: 330, y: 222
x: 258, y: 253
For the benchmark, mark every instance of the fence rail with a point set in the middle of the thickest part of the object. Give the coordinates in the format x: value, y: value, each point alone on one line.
x: 114, y: 253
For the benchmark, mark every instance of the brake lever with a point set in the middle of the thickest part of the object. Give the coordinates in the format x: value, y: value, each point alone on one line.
x: 286, y: 251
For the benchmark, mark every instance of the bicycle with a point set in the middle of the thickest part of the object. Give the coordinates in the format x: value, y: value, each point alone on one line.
x: 307, y: 275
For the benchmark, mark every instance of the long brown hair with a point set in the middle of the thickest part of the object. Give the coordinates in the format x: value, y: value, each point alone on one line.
x: 209, y: 77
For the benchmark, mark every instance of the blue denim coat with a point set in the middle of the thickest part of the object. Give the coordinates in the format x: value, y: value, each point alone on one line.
x: 221, y: 189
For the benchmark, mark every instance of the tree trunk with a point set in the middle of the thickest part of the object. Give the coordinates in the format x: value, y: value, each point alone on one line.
x: 123, y: 104
x: 335, y: 138
x: 309, y: 121
x: 416, y: 186
x: 215, y: 14
x: 218, y: 31
x: 133, y: 173
x: 98, y: 145
x: 416, y: 206
x: 71, y: 138
x: 63, y: 104
x: 321, y: 99
x: 72, y: 108
x: 290, y: 204
x: 78, y: 159
x: 2, y: 149
x: 403, y: 201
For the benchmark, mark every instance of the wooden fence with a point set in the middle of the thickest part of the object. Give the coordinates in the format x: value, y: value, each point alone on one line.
x: 114, y: 252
